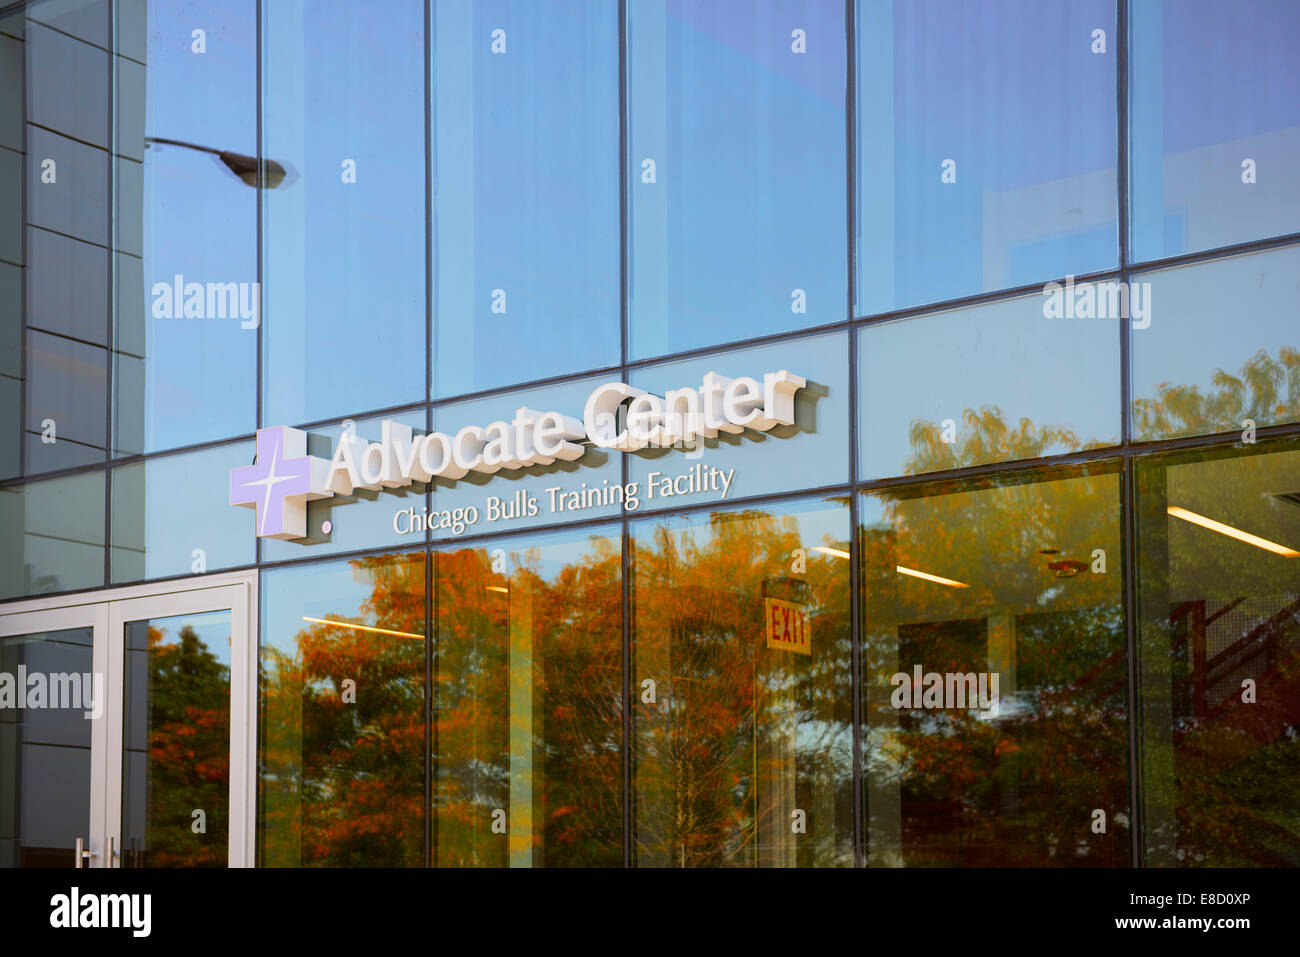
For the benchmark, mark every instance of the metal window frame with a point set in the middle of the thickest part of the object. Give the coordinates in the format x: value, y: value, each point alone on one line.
x: 106, y: 611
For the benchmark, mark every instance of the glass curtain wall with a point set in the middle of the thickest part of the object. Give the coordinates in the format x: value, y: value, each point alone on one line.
x: 1047, y: 435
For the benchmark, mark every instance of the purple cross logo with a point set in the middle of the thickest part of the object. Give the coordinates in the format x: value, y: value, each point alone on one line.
x: 280, y: 483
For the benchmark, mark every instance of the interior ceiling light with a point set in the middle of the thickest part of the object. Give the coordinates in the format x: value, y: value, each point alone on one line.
x: 504, y: 591
x: 931, y: 578
x: 348, y: 624
x: 1067, y: 567
x: 1189, y: 516
x: 826, y: 550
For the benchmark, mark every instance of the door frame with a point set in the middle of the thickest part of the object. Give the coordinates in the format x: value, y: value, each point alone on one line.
x: 106, y: 611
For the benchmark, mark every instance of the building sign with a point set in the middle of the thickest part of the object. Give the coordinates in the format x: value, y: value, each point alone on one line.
x: 616, y: 416
x: 788, y: 625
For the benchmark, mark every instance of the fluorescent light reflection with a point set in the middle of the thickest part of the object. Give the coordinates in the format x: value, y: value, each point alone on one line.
x: 504, y: 591
x: 930, y: 578
x: 348, y: 624
x: 1189, y: 516
x: 827, y: 550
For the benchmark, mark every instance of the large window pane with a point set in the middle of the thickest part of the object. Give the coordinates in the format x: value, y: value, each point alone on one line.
x: 13, y: 99
x: 54, y: 535
x: 76, y: 202
x: 526, y: 218
x: 67, y: 382
x: 157, y: 529
x: 45, y: 776
x: 63, y: 71
x: 993, y: 674
x: 342, y: 717
x: 742, y: 720
x: 55, y: 311
x: 736, y: 179
x: 176, y: 741
x: 528, y: 735
x: 1219, y: 656
x: 1214, y: 123
x: 986, y: 384
x: 188, y: 301
x: 986, y: 146
x: 1223, y: 347
x: 812, y: 452
x: 344, y: 237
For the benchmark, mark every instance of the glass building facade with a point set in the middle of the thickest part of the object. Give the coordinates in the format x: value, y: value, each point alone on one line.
x: 1014, y: 580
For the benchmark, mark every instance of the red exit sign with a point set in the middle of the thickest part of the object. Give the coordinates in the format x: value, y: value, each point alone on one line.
x: 788, y: 625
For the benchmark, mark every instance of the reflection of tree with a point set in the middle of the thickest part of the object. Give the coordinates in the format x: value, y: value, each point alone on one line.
x: 527, y: 711
x: 955, y: 787
x: 1266, y: 390
x: 528, y: 671
x: 529, y: 719
x: 740, y: 736
x: 1019, y: 789
x: 188, y: 760
x: 344, y: 781
x: 986, y: 437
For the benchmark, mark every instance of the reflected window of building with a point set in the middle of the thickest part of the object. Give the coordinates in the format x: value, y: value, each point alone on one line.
x: 13, y: 98
x: 157, y: 531
x: 188, y: 301
x: 993, y: 673
x: 1222, y: 352
x: 526, y: 216
x: 1219, y: 656
x: 1214, y: 124
x: 54, y: 236
x: 343, y: 217
x: 742, y: 723
x: 53, y: 532
x: 45, y: 769
x: 990, y: 383
x: 737, y: 194
x: 528, y: 730
x: 342, y: 714
x: 985, y: 148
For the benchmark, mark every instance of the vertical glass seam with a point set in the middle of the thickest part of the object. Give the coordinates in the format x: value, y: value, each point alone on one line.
x: 855, y: 601
x: 624, y: 465
x: 1127, y: 485
x: 111, y: 311
x: 428, y: 427
x: 1129, y: 583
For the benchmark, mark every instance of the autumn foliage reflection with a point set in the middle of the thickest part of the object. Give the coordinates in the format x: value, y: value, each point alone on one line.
x: 1265, y: 390
x: 184, y: 729
x: 743, y: 751
x: 343, y: 731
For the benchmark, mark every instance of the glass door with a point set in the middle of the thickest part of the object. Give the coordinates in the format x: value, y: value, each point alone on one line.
x: 127, y: 729
x: 53, y: 737
x: 171, y: 787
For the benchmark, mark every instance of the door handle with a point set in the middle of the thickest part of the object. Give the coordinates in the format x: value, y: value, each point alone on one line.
x: 83, y: 854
